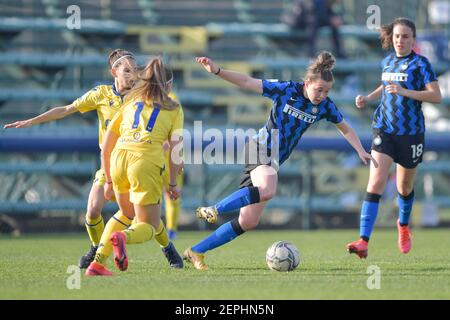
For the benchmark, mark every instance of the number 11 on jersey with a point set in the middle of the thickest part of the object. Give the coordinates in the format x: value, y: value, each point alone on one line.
x: 151, y: 121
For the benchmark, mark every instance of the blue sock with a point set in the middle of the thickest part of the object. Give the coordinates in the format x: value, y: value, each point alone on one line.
x: 369, y: 211
x: 224, y: 234
x: 405, y: 206
x: 241, y: 198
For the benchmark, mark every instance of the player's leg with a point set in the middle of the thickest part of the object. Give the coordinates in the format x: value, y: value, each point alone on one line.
x: 264, y: 178
x: 146, y: 192
x: 369, y: 209
x: 118, y: 238
x: 405, y: 188
x: 94, y: 220
x: 95, y: 226
x: 116, y: 224
x: 255, y: 193
x: 161, y: 233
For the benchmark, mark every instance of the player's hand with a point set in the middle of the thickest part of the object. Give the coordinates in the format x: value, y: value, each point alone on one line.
x: 208, y: 64
x: 361, y: 101
x: 174, y: 192
x: 108, y: 191
x: 366, y: 157
x: 394, y: 88
x: 18, y: 124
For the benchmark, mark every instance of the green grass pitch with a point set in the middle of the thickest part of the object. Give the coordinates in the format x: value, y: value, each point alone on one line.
x: 35, y: 267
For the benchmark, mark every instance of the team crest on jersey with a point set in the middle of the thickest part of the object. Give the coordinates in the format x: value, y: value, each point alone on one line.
x: 377, y: 140
x: 111, y: 102
x: 404, y: 66
x: 137, y: 136
x: 314, y: 110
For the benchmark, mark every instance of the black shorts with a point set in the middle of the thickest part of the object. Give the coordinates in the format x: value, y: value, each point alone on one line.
x: 253, y: 162
x: 406, y: 150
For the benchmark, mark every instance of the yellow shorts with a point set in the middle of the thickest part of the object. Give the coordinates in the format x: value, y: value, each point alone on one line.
x: 100, y: 178
x: 134, y: 173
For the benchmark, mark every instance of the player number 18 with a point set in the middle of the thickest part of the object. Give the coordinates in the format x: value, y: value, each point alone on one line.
x: 417, y: 150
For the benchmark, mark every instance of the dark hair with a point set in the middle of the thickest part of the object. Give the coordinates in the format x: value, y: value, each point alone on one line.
x: 116, y: 55
x: 386, y: 31
x: 153, y: 84
x: 321, y: 67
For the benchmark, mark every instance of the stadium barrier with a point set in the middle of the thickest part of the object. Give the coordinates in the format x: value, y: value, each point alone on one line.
x: 307, y: 201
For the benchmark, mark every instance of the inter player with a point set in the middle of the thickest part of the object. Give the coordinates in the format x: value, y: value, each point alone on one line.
x: 133, y: 158
x: 398, y: 124
x: 296, y: 106
x: 107, y: 100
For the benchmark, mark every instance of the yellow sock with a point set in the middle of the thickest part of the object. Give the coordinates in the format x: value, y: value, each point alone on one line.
x: 172, y: 213
x: 94, y: 228
x: 161, y: 235
x: 118, y: 222
x: 139, y: 232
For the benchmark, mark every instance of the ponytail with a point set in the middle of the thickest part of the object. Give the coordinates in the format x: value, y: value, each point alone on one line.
x: 321, y: 67
x: 154, y: 84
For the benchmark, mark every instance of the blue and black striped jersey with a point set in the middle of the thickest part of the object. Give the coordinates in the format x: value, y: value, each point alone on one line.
x: 397, y: 114
x: 292, y: 114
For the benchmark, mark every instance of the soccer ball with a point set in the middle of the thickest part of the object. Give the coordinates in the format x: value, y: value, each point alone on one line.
x: 282, y: 256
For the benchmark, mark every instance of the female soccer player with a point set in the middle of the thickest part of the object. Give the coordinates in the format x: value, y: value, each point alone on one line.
x: 107, y: 100
x: 297, y: 105
x: 135, y: 168
x: 398, y: 128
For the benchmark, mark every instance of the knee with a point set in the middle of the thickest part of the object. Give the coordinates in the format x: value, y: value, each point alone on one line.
x: 94, y: 210
x: 267, y: 193
x: 405, y: 188
x: 376, y: 186
x: 248, y: 223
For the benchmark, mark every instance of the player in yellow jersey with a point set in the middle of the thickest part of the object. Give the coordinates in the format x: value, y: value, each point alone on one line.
x: 107, y: 100
x: 133, y: 158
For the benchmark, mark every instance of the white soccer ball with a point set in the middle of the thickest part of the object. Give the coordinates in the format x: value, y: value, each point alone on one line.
x: 282, y: 256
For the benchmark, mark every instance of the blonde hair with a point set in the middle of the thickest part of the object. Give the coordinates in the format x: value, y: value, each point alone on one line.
x: 387, y: 31
x: 153, y: 85
x: 321, y: 67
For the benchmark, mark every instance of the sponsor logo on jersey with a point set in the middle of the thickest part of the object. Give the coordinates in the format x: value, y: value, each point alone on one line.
x: 394, y: 76
x: 298, y: 114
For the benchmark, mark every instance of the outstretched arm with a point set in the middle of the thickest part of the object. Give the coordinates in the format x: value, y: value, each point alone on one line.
x: 351, y: 136
x: 241, y: 80
x: 50, y: 115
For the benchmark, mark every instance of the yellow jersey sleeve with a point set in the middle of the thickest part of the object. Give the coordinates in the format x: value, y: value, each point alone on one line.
x: 89, y: 101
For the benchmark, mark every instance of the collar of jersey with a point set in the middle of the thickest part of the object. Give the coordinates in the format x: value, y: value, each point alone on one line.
x: 113, y: 87
x: 405, y: 57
